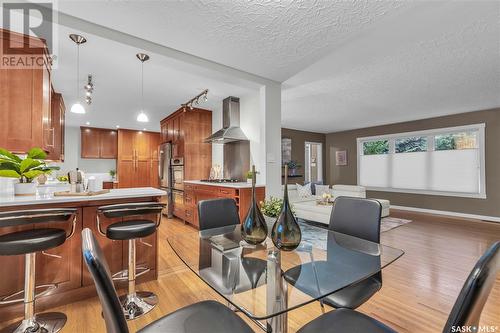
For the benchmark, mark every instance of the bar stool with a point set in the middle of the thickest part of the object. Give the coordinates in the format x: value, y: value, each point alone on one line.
x: 29, y: 242
x: 134, y: 303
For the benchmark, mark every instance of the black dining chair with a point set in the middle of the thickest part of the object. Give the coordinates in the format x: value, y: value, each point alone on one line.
x: 355, y: 217
x: 206, y: 316
x: 217, y: 213
x: 360, y: 218
x: 465, y: 313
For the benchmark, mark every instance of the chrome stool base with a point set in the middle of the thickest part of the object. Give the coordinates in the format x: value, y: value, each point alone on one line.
x: 138, y: 304
x: 49, y: 322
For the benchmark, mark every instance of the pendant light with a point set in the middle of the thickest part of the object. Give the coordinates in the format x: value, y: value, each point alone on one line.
x: 78, y: 39
x: 142, y: 117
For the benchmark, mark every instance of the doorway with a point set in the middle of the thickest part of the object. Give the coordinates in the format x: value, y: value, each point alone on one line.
x: 313, y: 168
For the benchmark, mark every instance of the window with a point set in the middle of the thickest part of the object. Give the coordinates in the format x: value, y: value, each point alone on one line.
x: 376, y: 147
x: 446, y: 161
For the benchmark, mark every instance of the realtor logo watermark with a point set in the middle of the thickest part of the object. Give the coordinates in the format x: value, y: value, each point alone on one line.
x: 29, y: 38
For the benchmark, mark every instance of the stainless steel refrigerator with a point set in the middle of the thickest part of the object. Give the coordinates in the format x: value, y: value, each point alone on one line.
x: 165, y: 174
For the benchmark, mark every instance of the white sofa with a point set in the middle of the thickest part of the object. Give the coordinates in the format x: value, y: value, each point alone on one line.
x: 307, y: 209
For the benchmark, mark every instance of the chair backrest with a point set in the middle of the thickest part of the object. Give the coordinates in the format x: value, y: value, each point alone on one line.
x: 98, y: 268
x: 217, y: 213
x: 470, y: 302
x: 357, y: 217
x: 131, y: 209
x: 22, y: 217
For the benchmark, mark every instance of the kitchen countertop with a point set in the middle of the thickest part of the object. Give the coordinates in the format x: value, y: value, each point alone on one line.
x: 46, y: 196
x: 230, y: 185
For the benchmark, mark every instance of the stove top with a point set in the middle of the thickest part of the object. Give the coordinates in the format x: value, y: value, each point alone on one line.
x: 220, y: 180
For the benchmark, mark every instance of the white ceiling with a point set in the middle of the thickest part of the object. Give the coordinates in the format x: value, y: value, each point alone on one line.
x: 116, y: 75
x: 343, y: 64
x: 436, y: 58
x: 273, y: 39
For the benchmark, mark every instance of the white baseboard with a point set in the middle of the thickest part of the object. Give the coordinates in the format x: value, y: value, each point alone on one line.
x: 444, y: 212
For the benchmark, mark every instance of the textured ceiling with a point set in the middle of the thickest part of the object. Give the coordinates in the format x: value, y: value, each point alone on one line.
x: 440, y: 57
x: 116, y: 73
x: 273, y: 39
x: 345, y: 64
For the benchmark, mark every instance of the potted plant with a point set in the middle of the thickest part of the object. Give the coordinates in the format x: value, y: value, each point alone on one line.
x: 249, y: 176
x: 26, y: 170
x: 112, y: 173
x: 292, y: 167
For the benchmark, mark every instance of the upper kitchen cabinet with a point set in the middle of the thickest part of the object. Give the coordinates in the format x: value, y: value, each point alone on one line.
x: 98, y: 143
x: 58, y: 113
x: 186, y: 130
x: 25, y: 98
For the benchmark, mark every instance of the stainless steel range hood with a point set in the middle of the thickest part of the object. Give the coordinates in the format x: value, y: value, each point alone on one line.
x: 231, y: 131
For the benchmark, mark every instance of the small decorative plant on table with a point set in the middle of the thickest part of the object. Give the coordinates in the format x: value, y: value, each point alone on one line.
x: 271, y: 207
x: 112, y: 173
x: 26, y: 170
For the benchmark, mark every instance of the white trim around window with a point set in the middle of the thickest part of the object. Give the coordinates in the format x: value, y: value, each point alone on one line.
x: 386, y: 163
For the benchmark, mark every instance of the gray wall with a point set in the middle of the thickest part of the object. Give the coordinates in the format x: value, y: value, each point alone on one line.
x: 299, y: 139
x: 72, y: 153
x: 348, y: 174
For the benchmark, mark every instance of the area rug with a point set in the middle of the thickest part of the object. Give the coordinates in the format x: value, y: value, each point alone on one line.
x: 316, y: 233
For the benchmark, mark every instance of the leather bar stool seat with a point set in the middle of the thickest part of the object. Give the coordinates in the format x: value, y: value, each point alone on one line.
x: 130, y: 229
x: 134, y: 225
x: 28, y: 241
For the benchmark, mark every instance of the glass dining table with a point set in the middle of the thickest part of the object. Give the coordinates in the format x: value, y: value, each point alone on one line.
x: 265, y: 283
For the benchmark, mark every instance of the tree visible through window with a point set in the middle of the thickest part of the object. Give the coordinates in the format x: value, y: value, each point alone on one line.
x: 411, y: 144
x: 376, y: 147
x: 452, y: 141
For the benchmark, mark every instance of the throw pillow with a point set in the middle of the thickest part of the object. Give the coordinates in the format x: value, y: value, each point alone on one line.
x: 320, y: 189
x: 304, y: 191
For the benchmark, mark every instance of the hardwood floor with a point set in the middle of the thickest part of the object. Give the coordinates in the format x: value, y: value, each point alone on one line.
x: 418, y: 290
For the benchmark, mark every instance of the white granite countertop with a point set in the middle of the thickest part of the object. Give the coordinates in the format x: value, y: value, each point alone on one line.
x: 230, y: 185
x: 46, y: 196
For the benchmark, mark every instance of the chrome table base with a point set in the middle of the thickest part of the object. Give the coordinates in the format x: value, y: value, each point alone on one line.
x: 50, y: 322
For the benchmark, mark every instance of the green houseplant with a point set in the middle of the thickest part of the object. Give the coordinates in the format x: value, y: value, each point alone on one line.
x: 25, y: 169
x: 249, y: 176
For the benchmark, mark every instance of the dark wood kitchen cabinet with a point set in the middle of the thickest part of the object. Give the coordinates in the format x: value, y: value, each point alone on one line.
x: 25, y: 98
x: 186, y: 130
x: 194, y: 193
x: 58, y: 115
x: 98, y: 143
x: 137, y: 158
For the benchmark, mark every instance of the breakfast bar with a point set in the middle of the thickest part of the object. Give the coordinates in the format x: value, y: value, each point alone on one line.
x: 62, y: 266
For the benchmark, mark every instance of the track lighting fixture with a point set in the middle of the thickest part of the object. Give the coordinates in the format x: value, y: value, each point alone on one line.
x: 195, y: 100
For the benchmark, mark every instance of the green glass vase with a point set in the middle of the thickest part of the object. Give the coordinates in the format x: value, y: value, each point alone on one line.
x: 286, y: 234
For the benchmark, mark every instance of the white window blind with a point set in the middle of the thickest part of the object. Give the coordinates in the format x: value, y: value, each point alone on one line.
x: 446, y: 161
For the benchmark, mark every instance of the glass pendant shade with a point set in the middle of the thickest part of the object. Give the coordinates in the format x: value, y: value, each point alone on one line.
x: 77, y: 108
x: 286, y: 234
x: 142, y: 117
x: 254, y: 227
